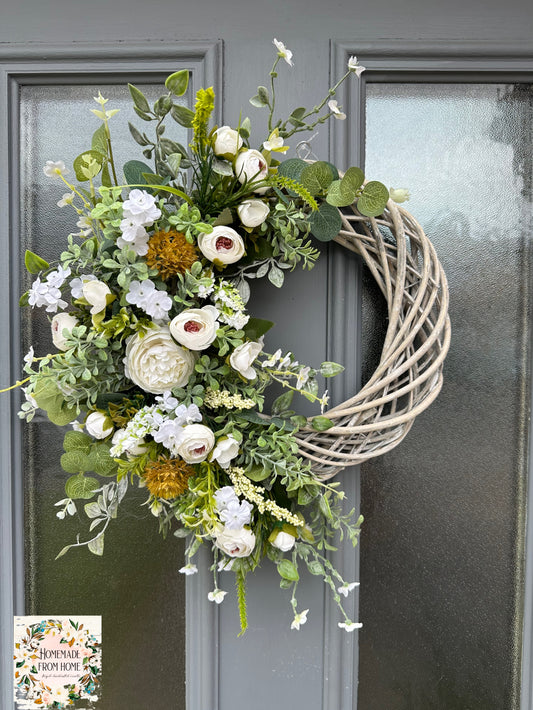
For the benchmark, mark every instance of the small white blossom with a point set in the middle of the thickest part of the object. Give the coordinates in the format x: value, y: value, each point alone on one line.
x: 335, y: 110
x: 28, y: 358
x: 166, y: 401
x: 299, y: 619
x: 275, y: 143
x: 189, y: 569
x: 187, y: 415
x: 225, y: 564
x: 272, y: 360
x: 283, y: 52
x: 76, y: 425
x: 236, y: 515
x: 85, y: 225
x: 139, y: 245
x: 67, y: 199
x: 142, y: 207
x: 347, y: 587
x: 156, y: 507
x: 353, y: 65
x: 224, y: 496
x: 216, y: 596
x: 349, y: 626
x: 55, y: 169
x: 131, y: 228
x: 57, y: 278
x: 302, y: 377
x: 170, y: 434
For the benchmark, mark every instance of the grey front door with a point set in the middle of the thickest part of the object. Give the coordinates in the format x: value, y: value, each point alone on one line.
x: 443, y: 593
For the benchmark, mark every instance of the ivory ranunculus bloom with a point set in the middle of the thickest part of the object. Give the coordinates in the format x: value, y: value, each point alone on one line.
x: 227, y: 448
x: 98, y: 425
x: 155, y: 363
x: 235, y: 543
x: 227, y: 141
x: 243, y: 356
x: 195, y: 328
x: 284, y: 541
x: 61, y: 322
x: 95, y: 293
x: 251, y: 166
x: 196, y: 442
x: 222, y: 246
x: 252, y: 213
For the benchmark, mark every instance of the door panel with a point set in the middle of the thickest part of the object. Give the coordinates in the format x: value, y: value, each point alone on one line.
x: 441, y: 567
x: 135, y: 586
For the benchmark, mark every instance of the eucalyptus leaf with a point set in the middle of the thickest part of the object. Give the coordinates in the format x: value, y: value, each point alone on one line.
x: 256, y: 327
x: 137, y: 135
x: 373, y: 199
x: 292, y: 168
x: 81, y: 164
x: 283, y: 402
x: 353, y: 179
x: 257, y: 473
x: 101, y: 462
x: 340, y: 195
x: 276, y: 276
x: 99, y: 141
x: 325, y: 222
x: 316, y: 177
x: 133, y: 172
x: 296, y: 116
x: 77, y: 441
x: 81, y: 486
x: 222, y: 167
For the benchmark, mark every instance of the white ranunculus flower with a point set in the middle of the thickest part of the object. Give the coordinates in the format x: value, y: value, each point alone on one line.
x: 98, y: 425
x: 227, y: 141
x: 284, y: 541
x: 235, y: 543
x: 251, y: 166
x: 95, y: 293
x: 226, y: 449
x: 222, y: 246
x: 252, y: 213
x: 155, y: 363
x: 195, y: 328
x: 195, y: 443
x: 243, y: 356
x: 61, y: 322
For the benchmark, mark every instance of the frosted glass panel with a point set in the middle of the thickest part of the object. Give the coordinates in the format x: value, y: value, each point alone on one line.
x: 441, y: 575
x: 135, y: 586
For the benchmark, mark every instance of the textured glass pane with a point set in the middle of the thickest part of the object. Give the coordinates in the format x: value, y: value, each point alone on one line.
x: 443, y: 541
x: 135, y: 586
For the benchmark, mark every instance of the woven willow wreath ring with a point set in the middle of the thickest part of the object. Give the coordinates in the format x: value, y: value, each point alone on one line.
x: 408, y: 378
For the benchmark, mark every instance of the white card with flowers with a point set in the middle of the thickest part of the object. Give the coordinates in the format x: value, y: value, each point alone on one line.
x: 57, y: 661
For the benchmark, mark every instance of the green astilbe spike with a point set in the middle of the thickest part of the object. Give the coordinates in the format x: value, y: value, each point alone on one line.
x: 240, y: 580
x: 300, y: 190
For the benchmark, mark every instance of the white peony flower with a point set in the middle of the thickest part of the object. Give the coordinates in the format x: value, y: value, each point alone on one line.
x: 283, y: 52
x: 141, y: 206
x: 60, y: 323
x: 196, y: 443
x: 195, y: 328
x: 222, y: 246
x: 243, y: 356
x: 55, y: 169
x: 95, y: 293
x: 251, y: 167
x: 252, y: 213
x: 235, y: 543
x: 399, y: 194
x: 189, y: 569
x: 155, y: 363
x: 217, y: 596
x: 283, y: 541
x: 354, y: 66
x: 349, y: 626
x: 227, y: 141
x: 335, y: 110
x: 227, y: 448
x: 299, y: 619
x: 98, y: 425
x: 347, y: 587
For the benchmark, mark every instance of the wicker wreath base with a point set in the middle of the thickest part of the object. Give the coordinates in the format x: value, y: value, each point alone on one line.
x: 408, y: 378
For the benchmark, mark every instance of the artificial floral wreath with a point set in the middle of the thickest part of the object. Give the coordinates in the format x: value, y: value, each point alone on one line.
x: 160, y: 370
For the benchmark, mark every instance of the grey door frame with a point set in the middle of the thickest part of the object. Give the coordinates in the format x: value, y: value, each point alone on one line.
x: 441, y: 61
x: 37, y: 63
